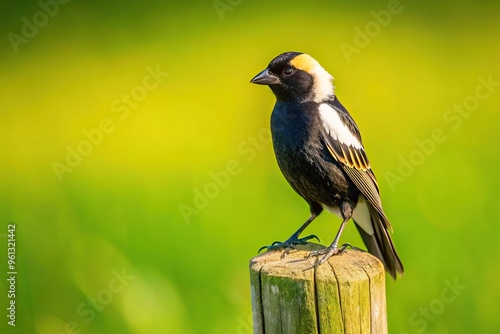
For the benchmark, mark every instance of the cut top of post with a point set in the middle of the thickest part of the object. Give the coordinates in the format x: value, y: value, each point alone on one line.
x: 290, y: 295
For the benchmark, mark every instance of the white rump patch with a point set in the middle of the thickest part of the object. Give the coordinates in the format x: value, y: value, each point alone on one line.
x: 361, y: 215
x: 333, y: 210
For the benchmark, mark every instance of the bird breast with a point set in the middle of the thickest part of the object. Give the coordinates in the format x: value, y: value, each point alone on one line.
x: 303, y: 157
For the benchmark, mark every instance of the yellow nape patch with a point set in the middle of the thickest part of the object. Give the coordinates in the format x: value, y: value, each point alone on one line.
x: 304, y: 62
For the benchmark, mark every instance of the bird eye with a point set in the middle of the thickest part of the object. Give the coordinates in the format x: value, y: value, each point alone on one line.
x: 288, y: 71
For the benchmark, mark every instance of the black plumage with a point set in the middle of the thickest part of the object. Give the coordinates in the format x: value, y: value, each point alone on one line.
x: 304, y: 158
x: 319, y: 150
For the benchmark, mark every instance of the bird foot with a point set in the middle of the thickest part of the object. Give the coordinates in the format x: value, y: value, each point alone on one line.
x: 327, y: 253
x: 289, y: 244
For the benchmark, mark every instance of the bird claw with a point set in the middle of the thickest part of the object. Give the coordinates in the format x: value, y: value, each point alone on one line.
x: 289, y: 244
x: 344, y: 247
x: 327, y: 253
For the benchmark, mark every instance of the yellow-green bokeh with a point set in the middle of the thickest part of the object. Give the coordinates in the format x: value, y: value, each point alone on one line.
x: 120, y: 207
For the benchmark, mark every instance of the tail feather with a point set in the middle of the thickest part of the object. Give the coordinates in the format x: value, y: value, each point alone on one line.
x: 380, y: 243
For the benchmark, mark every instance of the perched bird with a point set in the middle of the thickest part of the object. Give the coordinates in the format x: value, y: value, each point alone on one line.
x: 319, y: 150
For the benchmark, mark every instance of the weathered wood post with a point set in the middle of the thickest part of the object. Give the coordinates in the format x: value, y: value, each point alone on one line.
x: 346, y: 294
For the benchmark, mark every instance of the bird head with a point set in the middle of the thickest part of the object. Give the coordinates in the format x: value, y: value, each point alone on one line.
x: 296, y: 77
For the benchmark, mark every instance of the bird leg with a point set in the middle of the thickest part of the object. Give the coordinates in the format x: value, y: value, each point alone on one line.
x: 294, y: 240
x: 333, y: 249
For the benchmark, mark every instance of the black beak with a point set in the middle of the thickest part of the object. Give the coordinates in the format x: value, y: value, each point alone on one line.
x: 265, y: 78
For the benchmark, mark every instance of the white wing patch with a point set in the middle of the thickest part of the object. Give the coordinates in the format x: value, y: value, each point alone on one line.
x: 336, y: 128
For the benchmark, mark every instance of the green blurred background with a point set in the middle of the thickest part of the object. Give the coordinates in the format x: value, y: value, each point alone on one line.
x: 130, y: 206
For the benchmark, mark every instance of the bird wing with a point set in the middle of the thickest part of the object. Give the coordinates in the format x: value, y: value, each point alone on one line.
x: 343, y: 141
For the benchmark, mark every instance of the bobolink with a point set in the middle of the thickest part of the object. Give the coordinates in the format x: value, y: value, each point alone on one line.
x: 319, y: 150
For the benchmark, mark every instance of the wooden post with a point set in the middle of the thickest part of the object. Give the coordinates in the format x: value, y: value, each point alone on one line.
x: 346, y: 294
